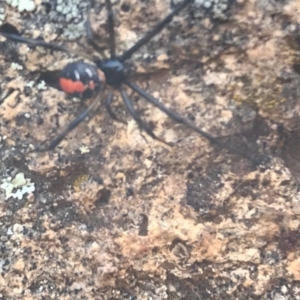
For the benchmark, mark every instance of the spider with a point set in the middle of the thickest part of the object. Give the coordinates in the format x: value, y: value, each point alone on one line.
x: 89, y: 80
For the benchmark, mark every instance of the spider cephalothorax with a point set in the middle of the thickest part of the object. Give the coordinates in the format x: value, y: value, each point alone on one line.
x: 114, y: 71
x: 90, y: 79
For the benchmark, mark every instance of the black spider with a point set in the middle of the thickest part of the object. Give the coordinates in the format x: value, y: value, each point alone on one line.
x: 89, y: 80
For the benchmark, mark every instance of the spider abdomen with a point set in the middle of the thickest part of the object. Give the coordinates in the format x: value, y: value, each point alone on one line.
x: 80, y: 78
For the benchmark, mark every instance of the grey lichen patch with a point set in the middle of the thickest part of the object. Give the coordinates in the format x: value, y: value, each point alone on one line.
x: 217, y: 9
x: 71, y: 9
x: 73, y: 31
x: 72, y: 13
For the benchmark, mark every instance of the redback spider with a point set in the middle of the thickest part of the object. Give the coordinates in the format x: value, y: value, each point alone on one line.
x: 90, y: 79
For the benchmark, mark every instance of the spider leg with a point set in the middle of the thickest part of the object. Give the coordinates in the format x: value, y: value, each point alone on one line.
x: 111, y: 29
x: 89, y: 32
x: 172, y: 4
x: 136, y: 116
x: 176, y: 117
x: 32, y: 42
x: 72, y: 125
x: 144, y: 40
x: 108, y: 102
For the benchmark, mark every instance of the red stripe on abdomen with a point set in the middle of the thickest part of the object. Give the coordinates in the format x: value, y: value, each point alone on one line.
x: 69, y: 86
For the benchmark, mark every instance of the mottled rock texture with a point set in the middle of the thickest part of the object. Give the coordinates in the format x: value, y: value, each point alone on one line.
x: 116, y: 215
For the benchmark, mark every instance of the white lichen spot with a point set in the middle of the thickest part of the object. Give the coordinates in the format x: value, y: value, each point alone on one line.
x: 16, y: 66
x: 84, y: 149
x: 76, y: 100
x: 2, y: 15
x: 26, y: 5
x: 13, y: 3
x: 42, y: 85
x: 9, y: 231
x: 23, y: 5
x: 17, y: 187
x: 18, y: 228
x: 30, y: 84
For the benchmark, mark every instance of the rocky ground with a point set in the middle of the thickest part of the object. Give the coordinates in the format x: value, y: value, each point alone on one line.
x: 113, y: 214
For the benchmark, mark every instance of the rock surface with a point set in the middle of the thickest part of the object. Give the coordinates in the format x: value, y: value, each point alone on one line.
x: 116, y: 215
